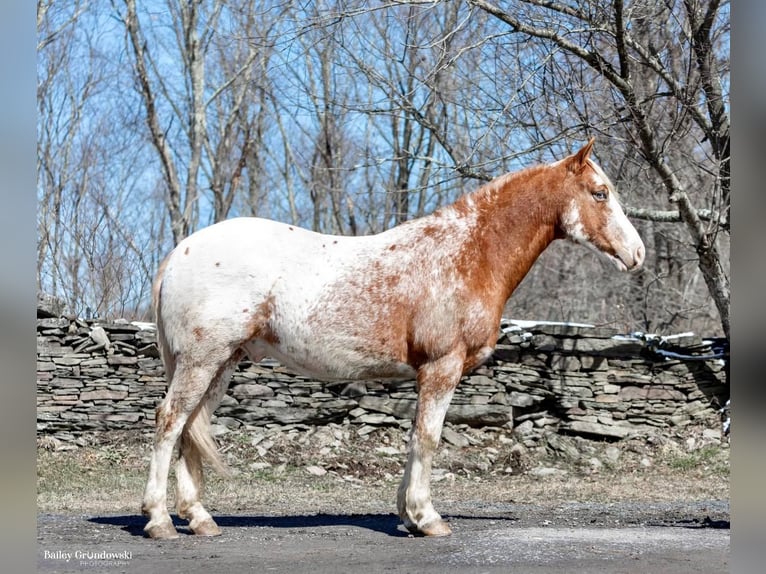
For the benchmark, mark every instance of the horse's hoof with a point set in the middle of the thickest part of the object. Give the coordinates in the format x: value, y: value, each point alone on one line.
x: 436, y: 528
x: 161, y: 531
x: 205, y: 527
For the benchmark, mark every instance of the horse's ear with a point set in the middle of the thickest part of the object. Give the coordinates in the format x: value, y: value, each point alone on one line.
x: 579, y: 159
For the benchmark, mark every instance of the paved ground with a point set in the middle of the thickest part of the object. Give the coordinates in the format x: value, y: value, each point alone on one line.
x: 666, y: 538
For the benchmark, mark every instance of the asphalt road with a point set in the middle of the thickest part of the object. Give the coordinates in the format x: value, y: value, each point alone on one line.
x: 626, y: 538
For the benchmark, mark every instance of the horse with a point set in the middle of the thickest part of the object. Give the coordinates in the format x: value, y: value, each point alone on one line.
x: 422, y: 300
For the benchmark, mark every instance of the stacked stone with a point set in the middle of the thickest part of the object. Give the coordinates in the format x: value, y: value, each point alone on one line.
x: 594, y: 382
x: 96, y: 376
x: 597, y: 382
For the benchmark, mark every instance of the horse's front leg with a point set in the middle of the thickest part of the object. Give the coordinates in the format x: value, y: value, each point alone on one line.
x: 436, y: 385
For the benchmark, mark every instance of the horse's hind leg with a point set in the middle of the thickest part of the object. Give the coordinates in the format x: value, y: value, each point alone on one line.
x: 436, y: 385
x: 188, y: 385
x: 196, y: 444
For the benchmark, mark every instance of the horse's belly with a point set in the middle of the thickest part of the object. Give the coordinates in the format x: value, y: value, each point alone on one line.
x: 329, y: 361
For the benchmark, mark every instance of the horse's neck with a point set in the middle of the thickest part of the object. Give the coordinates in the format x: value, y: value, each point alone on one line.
x: 516, y: 221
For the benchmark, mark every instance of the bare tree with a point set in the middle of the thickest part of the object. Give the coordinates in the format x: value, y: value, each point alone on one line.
x: 408, y: 102
x: 617, y: 41
x: 201, y: 117
x: 351, y: 117
x: 91, y: 247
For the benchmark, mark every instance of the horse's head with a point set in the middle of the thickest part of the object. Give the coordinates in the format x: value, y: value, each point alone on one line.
x: 591, y: 214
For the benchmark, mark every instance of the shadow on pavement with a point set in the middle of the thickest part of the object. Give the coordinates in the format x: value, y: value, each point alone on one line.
x: 388, y: 524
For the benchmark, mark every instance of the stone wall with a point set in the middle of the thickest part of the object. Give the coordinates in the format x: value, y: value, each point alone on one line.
x: 94, y: 376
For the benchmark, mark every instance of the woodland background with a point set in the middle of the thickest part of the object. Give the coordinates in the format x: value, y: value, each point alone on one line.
x: 157, y: 118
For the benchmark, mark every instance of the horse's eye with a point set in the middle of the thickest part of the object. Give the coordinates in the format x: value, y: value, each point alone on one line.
x: 599, y: 195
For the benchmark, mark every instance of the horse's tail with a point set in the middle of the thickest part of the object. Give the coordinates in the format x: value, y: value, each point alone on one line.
x: 168, y: 360
x: 197, y: 442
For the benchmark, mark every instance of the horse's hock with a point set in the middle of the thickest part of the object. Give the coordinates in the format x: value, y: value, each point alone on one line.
x: 595, y: 382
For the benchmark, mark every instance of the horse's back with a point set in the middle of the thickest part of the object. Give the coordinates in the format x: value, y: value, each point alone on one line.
x: 247, y: 253
x: 251, y: 240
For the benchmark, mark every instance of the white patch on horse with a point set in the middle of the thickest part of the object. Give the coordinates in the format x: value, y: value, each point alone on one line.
x: 573, y: 225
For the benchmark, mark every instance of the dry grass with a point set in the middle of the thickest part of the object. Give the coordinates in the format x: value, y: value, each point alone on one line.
x: 271, y: 476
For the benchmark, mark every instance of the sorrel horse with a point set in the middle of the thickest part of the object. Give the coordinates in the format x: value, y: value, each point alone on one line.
x: 422, y: 300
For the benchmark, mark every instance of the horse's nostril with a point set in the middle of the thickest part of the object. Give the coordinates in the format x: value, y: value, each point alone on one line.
x: 639, y: 256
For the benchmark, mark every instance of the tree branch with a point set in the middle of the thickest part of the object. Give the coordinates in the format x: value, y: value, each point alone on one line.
x: 674, y: 216
x: 158, y: 137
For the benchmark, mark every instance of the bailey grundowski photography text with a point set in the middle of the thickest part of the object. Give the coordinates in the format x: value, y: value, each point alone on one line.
x: 102, y: 557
